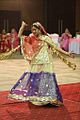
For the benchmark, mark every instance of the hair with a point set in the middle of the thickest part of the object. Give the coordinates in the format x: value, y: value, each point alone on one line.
x: 40, y: 27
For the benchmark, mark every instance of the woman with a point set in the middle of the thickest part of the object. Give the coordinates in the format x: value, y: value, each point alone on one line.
x: 39, y: 86
x: 3, y: 43
x: 65, y: 39
x: 14, y: 38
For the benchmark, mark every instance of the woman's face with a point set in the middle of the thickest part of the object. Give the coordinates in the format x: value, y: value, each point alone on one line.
x: 66, y: 30
x: 35, y: 31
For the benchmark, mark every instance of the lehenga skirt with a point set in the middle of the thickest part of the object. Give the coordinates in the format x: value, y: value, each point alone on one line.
x: 39, y: 88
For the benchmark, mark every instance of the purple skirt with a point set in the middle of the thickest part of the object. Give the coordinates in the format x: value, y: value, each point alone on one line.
x: 39, y: 88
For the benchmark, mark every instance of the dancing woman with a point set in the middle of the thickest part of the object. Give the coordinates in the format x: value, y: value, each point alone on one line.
x: 39, y: 85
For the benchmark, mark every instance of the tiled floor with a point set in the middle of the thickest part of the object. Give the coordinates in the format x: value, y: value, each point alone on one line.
x: 12, y: 69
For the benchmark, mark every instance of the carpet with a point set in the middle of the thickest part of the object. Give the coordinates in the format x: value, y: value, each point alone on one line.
x: 71, y: 91
x: 17, y: 110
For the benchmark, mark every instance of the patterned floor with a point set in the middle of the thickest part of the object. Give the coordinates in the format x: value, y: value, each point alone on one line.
x: 12, y: 69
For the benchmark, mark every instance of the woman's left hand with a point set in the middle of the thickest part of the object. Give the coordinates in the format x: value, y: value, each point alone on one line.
x: 72, y: 55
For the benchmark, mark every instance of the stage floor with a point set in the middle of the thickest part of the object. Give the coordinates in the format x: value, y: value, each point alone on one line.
x: 12, y: 69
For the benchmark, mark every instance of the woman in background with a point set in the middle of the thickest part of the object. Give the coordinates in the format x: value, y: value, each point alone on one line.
x: 65, y: 39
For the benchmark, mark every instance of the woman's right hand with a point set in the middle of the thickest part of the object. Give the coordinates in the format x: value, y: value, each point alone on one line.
x: 22, y: 28
x: 24, y: 24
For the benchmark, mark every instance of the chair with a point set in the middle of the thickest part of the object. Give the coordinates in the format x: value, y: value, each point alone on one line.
x: 55, y: 38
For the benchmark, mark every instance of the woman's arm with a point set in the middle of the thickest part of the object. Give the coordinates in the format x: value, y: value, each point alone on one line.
x: 53, y: 45
x: 58, y: 51
x: 21, y: 30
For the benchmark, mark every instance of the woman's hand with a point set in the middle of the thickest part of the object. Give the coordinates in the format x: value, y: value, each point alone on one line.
x: 22, y: 28
x: 24, y: 24
x: 72, y: 55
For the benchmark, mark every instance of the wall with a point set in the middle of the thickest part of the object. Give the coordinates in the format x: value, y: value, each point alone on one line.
x: 60, y: 14
x: 77, y: 13
x: 31, y: 10
x: 36, y: 10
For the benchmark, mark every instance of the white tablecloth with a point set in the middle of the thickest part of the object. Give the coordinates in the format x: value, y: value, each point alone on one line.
x: 55, y: 38
x: 74, y: 45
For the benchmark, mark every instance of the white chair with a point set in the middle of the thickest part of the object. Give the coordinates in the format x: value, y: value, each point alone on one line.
x: 55, y: 38
x: 74, y: 46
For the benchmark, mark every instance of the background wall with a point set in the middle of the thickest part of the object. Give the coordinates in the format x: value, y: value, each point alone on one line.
x: 77, y: 13
x: 60, y: 15
x: 48, y: 12
x: 30, y: 10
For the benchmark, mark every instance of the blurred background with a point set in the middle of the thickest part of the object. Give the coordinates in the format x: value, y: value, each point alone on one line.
x: 55, y: 15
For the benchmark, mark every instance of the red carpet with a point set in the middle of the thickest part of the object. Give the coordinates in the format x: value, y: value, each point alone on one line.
x: 71, y: 91
x: 16, y: 110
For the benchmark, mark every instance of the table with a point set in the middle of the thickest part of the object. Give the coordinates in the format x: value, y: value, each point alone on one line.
x: 74, y: 45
